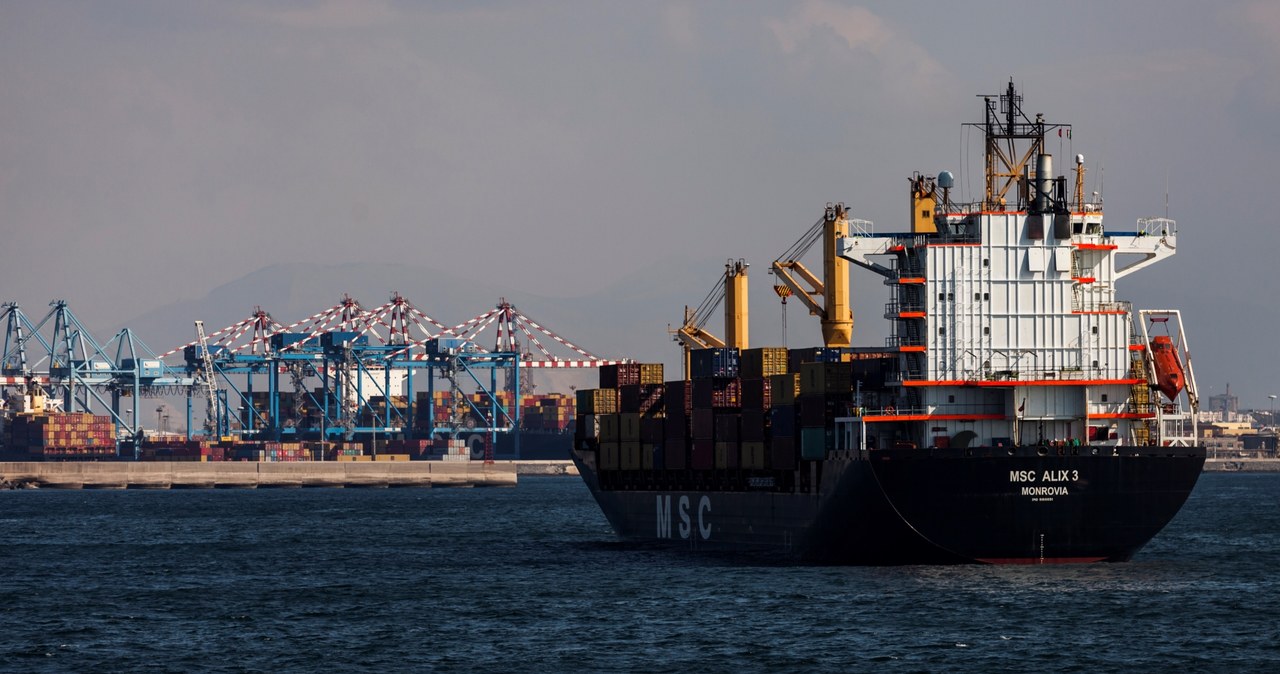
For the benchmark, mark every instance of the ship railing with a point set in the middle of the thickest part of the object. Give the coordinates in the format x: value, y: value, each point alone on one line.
x: 1099, y: 307
x: 892, y: 309
x: 1157, y: 226
x: 904, y: 340
x: 861, y: 227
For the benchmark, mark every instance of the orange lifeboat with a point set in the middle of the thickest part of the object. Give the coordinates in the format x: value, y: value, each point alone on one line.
x: 1169, y: 376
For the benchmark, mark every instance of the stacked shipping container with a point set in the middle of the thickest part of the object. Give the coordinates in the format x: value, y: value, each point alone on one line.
x: 758, y: 409
x: 62, y: 437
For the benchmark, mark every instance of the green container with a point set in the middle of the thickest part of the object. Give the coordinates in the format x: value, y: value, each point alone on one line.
x: 814, y: 443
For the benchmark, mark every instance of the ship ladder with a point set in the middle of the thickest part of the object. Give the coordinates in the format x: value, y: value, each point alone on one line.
x: 1140, y: 398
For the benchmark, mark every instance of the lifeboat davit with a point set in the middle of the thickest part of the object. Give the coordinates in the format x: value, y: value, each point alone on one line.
x: 1170, y: 378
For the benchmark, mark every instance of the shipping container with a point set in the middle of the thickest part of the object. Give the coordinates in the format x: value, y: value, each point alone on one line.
x: 782, y: 453
x: 597, y: 401
x: 753, y: 456
x: 651, y: 373
x: 677, y: 396
x: 610, y: 428
x: 756, y: 394
x: 752, y: 425
x: 702, y: 455
x: 782, y: 422
x: 825, y: 378
x: 721, y: 393
x: 704, y: 424
x: 783, y: 389
x: 609, y: 456
x: 676, y: 426
x: 647, y: 399
x: 813, y: 354
x: 629, y: 427
x: 705, y: 363
x: 675, y: 454
x: 763, y: 362
x: 728, y: 455
x: 622, y: 374
x: 815, y: 443
x: 727, y: 427
x: 630, y: 455
x: 652, y: 430
x: 588, y: 426
x: 650, y: 456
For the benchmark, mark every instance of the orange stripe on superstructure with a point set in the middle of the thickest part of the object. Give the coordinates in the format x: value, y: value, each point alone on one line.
x: 912, y: 280
x: 1095, y: 246
x: 1123, y: 415
x: 911, y: 349
x: 1118, y: 312
x: 882, y: 418
x: 911, y: 314
x: 1006, y: 383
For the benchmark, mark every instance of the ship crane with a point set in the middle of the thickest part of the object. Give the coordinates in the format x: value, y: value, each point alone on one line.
x: 731, y: 289
x: 826, y: 297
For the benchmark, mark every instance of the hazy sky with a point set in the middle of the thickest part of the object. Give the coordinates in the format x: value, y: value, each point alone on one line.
x: 150, y: 151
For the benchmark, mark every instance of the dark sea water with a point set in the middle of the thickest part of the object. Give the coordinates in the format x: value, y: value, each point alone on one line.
x: 531, y: 579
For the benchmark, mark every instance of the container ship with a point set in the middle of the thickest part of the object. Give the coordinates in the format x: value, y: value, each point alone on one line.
x: 1018, y: 412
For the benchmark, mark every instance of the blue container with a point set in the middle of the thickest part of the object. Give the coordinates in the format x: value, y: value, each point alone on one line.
x: 782, y: 422
x: 281, y: 340
x: 446, y: 345
x: 708, y: 363
x: 813, y: 354
x: 194, y: 354
x: 342, y: 339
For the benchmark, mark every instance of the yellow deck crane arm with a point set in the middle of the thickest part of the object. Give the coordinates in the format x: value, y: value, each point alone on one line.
x: 826, y: 297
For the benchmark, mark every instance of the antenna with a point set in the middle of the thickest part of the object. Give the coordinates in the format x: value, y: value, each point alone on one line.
x: 1166, y: 193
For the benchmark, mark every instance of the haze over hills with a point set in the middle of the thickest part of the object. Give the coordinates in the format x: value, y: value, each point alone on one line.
x: 625, y: 319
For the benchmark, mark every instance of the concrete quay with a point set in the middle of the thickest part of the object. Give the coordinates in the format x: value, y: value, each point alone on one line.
x: 253, y: 475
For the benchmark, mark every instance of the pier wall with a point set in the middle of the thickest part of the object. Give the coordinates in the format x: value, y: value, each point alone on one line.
x: 251, y: 475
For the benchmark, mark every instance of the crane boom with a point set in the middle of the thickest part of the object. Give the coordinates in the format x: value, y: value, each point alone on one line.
x: 730, y: 288
x: 828, y: 297
x: 213, y: 411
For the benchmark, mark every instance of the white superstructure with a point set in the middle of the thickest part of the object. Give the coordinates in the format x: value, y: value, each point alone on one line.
x: 1005, y: 312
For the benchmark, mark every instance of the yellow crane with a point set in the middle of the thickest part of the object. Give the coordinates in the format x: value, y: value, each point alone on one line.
x: 731, y: 289
x: 826, y: 297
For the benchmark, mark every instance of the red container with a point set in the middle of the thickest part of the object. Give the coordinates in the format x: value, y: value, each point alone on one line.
x: 646, y: 399
x: 755, y: 394
x: 675, y: 427
x: 652, y: 431
x: 727, y: 426
x: 703, y: 456
x: 677, y: 396
x: 753, y: 426
x: 623, y: 374
x: 704, y: 424
x: 721, y: 393
x: 675, y: 453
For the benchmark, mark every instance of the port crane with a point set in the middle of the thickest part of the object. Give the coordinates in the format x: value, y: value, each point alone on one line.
x: 213, y: 410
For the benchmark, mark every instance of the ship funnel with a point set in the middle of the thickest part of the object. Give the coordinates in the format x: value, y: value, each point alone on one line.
x: 1044, y: 183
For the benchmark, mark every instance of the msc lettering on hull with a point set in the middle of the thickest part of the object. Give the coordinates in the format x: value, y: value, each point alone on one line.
x: 666, y: 518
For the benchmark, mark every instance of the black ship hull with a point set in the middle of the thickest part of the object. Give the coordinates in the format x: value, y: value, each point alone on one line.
x: 1030, y: 505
